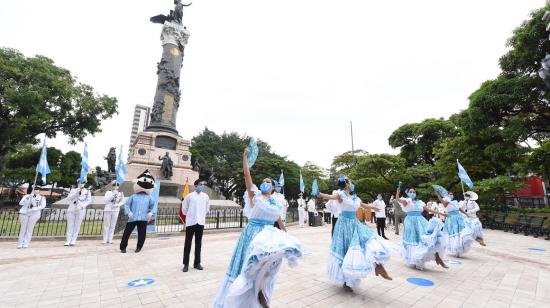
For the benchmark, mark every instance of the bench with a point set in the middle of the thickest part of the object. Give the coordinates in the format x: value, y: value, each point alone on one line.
x: 486, y: 218
x: 535, y: 226
x: 521, y: 224
x: 498, y: 221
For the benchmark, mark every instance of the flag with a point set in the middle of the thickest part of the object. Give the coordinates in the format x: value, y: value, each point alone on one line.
x: 185, y: 193
x: 85, y: 167
x: 463, y: 175
x: 43, y: 166
x: 302, y: 183
x: 282, y: 179
x: 120, y: 169
x: 315, y: 188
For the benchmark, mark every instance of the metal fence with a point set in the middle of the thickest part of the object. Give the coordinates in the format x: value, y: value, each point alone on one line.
x: 53, y: 222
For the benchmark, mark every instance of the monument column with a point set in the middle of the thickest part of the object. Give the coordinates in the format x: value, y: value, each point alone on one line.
x: 174, y: 37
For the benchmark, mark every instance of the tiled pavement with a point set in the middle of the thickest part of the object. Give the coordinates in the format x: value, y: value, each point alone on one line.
x: 503, y: 274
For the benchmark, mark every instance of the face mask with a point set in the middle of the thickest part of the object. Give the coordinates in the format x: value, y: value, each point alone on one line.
x: 115, y: 191
x: 451, y: 197
x: 266, y: 187
x: 278, y: 189
x: 467, y: 198
x: 412, y: 195
x: 201, y: 188
x: 351, y: 187
x: 379, y: 197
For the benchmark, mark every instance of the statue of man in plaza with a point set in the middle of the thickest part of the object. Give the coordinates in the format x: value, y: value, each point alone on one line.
x: 111, y: 160
x: 166, y: 166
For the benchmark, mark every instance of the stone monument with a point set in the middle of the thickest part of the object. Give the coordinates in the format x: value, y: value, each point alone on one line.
x: 160, y: 148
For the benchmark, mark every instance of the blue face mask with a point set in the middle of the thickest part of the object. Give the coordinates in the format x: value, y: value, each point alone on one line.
x: 451, y: 197
x: 266, y: 187
x: 351, y: 187
x: 278, y: 189
x: 412, y: 195
x: 201, y: 188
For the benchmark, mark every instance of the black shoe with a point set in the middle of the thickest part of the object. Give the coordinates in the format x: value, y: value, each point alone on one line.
x: 199, y: 267
x: 123, y: 250
x: 185, y: 268
x: 138, y: 250
x: 384, y: 237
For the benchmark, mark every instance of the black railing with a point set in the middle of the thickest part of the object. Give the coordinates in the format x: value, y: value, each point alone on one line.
x: 53, y: 222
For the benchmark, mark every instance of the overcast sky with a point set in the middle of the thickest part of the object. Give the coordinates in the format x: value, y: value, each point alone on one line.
x: 293, y: 73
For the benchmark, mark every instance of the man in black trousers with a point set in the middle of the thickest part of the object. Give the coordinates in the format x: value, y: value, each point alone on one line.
x: 195, y: 206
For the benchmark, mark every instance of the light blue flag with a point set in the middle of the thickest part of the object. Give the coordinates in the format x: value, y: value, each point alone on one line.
x: 463, y: 175
x: 315, y: 188
x: 43, y: 168
x: 440, y: 190
x: 302, y: 183
x: 120, y: 169
x: 85, y: 166
x: 282, y: 179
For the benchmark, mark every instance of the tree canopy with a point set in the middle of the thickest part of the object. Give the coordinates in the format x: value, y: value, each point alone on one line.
x: 36, y: 97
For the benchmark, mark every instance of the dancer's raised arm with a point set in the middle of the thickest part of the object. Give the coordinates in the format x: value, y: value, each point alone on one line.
x: 247, y: 177
x: 370, y: 207
x: 336, y: 197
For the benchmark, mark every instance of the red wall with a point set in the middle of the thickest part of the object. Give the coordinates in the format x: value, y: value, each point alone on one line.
x: 532, y: 188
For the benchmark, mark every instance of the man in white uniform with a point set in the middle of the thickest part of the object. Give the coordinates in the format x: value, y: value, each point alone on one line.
x: 79, y: 199
x: 31, y: 209
x: 301, y: 211
x: 113, y: 201
x: 195, y: 206
x: 335, y: 208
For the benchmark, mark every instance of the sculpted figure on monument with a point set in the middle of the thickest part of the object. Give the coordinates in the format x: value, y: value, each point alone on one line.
x: 196, y: 165
x: 166, y: 166
x: 176, y: 15
x: 111, y: 160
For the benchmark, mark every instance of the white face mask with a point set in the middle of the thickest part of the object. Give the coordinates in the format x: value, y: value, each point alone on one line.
x: 467, y: 198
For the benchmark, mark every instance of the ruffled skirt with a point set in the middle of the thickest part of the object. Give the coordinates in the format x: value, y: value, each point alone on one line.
x: 460, y: 234
x: 476, y: 227
x: 422, y: 240
x: 255, y: 264
x: 354, y: 252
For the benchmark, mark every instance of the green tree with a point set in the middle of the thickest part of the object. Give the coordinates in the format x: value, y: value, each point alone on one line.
x: 37, y: 97
x: 418, y: 140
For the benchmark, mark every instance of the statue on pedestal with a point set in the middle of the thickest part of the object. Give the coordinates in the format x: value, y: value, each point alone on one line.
x: 176, y: 15
x: 111, y: 160
x: 166, y: 166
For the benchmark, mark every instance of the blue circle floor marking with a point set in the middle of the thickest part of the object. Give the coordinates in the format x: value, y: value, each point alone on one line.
x: 163, y: 238
x: 141, y: 282
x: 536, y: 249
x: 454, y: 262
x: 420, y: 282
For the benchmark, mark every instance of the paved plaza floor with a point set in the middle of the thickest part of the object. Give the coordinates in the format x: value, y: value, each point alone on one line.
x: 512, y: 271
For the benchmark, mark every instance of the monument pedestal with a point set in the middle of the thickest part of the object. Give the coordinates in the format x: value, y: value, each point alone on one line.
x: 150, y: 146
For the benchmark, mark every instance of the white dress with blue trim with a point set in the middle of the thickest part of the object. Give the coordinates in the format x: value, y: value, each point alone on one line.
x: 355, y: 249
x: 460, y: 234
x: 257, y: 257
x: 421, y: 239
x: 471, y: 208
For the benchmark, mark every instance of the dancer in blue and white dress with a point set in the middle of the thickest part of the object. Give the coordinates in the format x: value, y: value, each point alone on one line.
x: 355, y: 250
x: 460, y: 235
x: 259, y: 254
x: 469, y: 207
x: 422, y: 241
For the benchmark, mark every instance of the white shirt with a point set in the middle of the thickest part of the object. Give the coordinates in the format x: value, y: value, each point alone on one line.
x: 113, y: 201
x: 195, y: 206
x: 335, y: 208
x: 381, y: 206
x: 32, y: 203
x: 79, y: 199
x: 311, y: 205
x: 301, y: 204
x: 470, y: 207
x: 281, y: 198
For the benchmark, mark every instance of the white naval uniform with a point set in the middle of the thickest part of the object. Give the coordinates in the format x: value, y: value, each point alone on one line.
x: 113, y: 201
x: 79, y: 199
x: 301, y: 211
x: 29, y: 214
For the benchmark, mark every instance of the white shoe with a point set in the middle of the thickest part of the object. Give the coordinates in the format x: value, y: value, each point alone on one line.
x: 67, y: 244
x: 72, y: 244
x: 19, y: 246
x: 104, y: 242
x: 25, y: 246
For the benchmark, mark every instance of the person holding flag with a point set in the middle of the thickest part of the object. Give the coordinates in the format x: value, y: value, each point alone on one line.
x: 32, y: 205
x: 469, y: 207
x: 79, y: 198
x: 113, y: 201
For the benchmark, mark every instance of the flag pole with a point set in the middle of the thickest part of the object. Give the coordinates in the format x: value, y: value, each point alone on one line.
x: 461, y: 182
